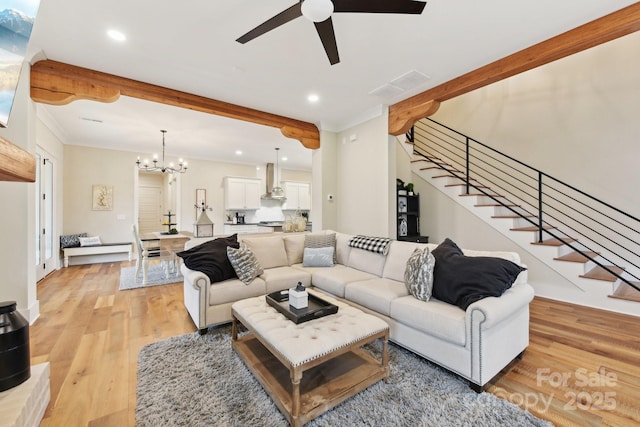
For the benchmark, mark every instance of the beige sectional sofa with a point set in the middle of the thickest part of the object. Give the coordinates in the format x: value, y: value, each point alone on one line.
x: 476, y: 343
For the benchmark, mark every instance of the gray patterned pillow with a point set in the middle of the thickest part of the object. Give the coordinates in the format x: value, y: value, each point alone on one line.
x: 418, y: 276
x: 321, y: 241
x: 245, y: 263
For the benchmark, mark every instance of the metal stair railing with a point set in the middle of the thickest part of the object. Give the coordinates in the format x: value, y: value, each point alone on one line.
x: 541, y: 200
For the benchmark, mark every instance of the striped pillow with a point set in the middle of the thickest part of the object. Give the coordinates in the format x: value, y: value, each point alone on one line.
x: 321, y: 241
x: 245, y: 263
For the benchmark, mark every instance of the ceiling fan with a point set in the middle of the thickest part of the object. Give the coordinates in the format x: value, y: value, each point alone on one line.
x: 320, y: 11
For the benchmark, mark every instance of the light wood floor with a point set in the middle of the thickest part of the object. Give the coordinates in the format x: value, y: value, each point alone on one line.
x: 91, y: 334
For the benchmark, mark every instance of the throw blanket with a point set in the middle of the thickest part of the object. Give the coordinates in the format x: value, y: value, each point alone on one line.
x: 378, y: 245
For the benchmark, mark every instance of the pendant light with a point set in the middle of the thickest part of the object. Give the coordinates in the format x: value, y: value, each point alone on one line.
x: 144, y: 165
x: 277, y: 192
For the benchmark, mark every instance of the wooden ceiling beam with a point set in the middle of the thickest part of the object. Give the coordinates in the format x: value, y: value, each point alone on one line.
x: 617, y: 24
x: 57, y: 83
x: 16, y: 164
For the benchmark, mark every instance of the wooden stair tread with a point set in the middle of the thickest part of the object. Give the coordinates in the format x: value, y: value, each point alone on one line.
x: 512, y: 216
x: 479, y: 194
x: 577, y: 257
x: 553, y: 242
x: 462, y: 184
x: 496, y: 204
x: 626, y: 292
x: 532, y: 228
x: 599, y: 273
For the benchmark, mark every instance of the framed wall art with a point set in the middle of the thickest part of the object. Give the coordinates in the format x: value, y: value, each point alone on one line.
x: 102, y: 197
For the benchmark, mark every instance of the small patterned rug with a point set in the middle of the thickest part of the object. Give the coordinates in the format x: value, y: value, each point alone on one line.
x: 155, y: 277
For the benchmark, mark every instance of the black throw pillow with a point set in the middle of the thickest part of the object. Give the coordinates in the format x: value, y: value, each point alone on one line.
x: 211, y: 258
x: 462, y: 280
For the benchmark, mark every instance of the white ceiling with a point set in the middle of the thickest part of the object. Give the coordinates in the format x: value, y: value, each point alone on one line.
x: 191, y: 47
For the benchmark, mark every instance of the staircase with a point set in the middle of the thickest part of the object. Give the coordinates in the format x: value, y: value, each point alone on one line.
x: 592, y: 244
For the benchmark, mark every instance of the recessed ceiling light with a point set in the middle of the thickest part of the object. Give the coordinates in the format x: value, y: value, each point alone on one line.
x: 116, y: 35
x: 284, y: 159
x: 238, y: 153
x: 313, y: 98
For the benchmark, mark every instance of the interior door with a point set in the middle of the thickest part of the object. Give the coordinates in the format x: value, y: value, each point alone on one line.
x: 44, y: 215
x: 149, y: 209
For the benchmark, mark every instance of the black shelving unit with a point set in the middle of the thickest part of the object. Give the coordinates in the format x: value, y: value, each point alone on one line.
x: 408, y: 217
x: 169, y: 224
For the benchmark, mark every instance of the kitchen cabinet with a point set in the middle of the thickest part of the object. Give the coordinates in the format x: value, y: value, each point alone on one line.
x: 298, y: 195
x: 241, y: 193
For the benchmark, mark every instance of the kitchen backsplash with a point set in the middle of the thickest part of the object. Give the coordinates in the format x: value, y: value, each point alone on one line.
x: 270, y: 210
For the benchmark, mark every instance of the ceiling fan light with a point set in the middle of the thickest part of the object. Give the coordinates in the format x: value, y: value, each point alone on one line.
x: 317, y: 10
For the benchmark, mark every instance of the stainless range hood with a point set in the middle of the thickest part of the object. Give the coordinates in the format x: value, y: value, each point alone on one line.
x: 270, y: 178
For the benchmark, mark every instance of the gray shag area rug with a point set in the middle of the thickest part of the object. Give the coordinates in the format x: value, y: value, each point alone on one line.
x: 155, y: 276
x: 194, y: 380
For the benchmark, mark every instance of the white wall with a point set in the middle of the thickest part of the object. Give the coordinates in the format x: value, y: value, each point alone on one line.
x: 324, y: 214
x: 575, y: 119
x: 364, y: 156
x: 84, y: 167
x: 117, y: 168
x: 17, y: 246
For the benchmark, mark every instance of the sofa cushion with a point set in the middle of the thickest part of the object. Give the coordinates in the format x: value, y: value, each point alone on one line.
x: 396, y: 262
x: 233, y: 290
x: 463, y: 280
x: 418, y: 277
x: 211, y: 258
x: 279, y: 278
x: 334, y: 279
x: 436, y: 318
x: 270, y: 250
x: 294, y: 245
x: 318, y: 257
x: 244, y: 263
x: 321, y: 240
x: 375, y: 294
x: 366, y: 261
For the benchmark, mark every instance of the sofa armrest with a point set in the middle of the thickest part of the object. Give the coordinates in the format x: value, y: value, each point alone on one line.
x: 196, y: 295
x: 493, y: 310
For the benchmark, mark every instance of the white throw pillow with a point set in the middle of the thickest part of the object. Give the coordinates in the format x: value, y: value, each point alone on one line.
x: 90, y: 241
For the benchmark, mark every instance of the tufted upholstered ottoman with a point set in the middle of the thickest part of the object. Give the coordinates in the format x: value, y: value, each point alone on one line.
x: 309, y: 368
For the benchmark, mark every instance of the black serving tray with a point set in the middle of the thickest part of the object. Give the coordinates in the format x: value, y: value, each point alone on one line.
x: 317, y: 307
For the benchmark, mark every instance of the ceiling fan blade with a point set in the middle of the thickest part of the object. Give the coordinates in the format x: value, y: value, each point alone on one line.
x: 328, y: 38
x: 379, y: 6
x: 282, y: 18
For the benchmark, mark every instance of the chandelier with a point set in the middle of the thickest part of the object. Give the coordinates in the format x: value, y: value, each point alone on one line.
x: 144, y: 165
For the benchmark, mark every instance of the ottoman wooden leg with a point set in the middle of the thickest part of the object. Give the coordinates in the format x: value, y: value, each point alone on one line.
x: 385, y: 357
x: 296, y: 377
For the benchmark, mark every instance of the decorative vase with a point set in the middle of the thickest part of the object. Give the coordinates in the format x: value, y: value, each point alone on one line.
x: 403, y: 227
